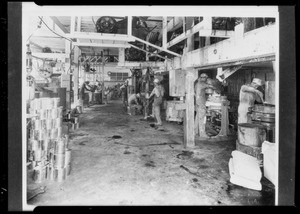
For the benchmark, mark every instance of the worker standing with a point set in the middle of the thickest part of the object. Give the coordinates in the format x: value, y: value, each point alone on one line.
x: 158, y: 93
x: 123, y: 89
x: 134, y: 99
x: 248, y: 95
x: 200, y: 89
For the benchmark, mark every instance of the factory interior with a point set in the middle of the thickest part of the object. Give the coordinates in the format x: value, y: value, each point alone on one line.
x: 98, y: 134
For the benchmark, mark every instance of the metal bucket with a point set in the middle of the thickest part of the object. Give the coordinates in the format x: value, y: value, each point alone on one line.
x: 251, y: 134
x: 68, y: 157
x: 49, y: 124
x: 35, y: 145
x: 59, y: 161
x: 68, y: 169
x: 59, y: 174
x: 37, y: 155
x: 56, y: 101
x: 60, y: 146
x: 50, y: 173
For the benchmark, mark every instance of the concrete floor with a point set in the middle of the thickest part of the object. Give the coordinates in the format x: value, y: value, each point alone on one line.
x: 119, y: 159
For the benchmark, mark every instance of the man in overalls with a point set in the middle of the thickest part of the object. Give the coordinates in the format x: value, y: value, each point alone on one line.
x: 248, y: 95
x: 200, y: 119
x: 158, y: 93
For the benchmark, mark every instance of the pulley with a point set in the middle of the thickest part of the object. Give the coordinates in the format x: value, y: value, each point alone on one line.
x: 106, y: 24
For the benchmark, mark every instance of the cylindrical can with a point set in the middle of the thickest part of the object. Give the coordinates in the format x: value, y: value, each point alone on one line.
x: 59, y: 122
x: 33, y: 164
x: 59, y: 112
x: 59, y: 132
x: 68, y: 169
x: 36, y: 124
x: 76, y: 120
x: 60, y: 174
x: 35, y: 145
x: 51, y: 158
x: 55, y: 102
x: 59, y: 161
x: 54, y: 113
x: 43, y: 124
x: 49, y: 124
x: 68, y: 157
x: 251, y: 134
x: 50, y: 173
x: 37, y: 175
x: 60, y: 146
x: 37, y: 155
x: 54, y: 133
x: 45, y: 144
x: 37, y: 104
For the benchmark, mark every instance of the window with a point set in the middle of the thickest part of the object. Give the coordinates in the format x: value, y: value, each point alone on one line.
x: 118, y: 76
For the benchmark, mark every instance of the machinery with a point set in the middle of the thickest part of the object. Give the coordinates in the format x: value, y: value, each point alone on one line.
x: 264, y: 114
x: 217, y: 122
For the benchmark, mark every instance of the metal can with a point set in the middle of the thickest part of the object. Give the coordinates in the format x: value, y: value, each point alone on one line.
x: 37, y: 175
x: 54, y: 133
x: 59, y: 161
x: 54, y: 113
x: 60, y: 174
x: 59, y: 132
x: 68, y: 169
x: 68, y: 157
x: 35, y: 145
x: 59, y: 112
x: 37, y: 155
x: 49, y: 124
x: 60, y: 146
x: 56, y: 102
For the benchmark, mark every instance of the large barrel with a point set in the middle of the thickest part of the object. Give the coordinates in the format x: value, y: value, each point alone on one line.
x: 251, y: 134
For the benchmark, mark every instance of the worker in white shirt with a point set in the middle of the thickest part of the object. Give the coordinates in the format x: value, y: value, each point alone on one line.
x: 158, y: 93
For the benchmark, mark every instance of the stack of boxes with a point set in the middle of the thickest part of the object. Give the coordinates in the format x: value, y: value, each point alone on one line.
x: 48, y: 151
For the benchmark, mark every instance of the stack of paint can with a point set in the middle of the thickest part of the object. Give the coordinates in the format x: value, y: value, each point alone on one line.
x: 47, y: 145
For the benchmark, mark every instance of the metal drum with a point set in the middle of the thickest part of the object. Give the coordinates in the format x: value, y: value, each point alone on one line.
x: 68, y: 157
x: 59, y: 161
x: 251, y: 134
x: 59, y: 174
x: 263, y: 113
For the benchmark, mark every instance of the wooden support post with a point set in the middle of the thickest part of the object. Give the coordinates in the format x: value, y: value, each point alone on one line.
x: 78, y: 27
x: 121, y: 55
x: 189, y: 122
x: 207, y: 20
x: 238, y: 33
x: 164, y: 32
x: 103, y: 87
x: 76, y: 75
x: 129, y: 25
x: 72, y: 25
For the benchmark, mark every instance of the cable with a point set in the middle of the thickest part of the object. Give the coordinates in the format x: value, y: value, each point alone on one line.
x: 54, y: 31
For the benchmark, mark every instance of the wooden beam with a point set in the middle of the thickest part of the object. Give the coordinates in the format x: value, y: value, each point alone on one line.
x: 254, y: 46
x: 157, y: 47
x: 77, y: 53
x: 147, y: 52
x: 189, y: 126
x: 61, y: 56
x: 127, y: 64
x: 78, y: 27
x: 164, y: 32
x: 59, y: 24
x: 100, y: 36
x: 72, y: 25
x: 101, y: 45
x: 224, y: 74
x: 129, y: 25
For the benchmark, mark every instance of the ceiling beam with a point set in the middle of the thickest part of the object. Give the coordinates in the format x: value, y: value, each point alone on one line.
x: 147, y: 52
x: 100, y: 36
x: 59, y: 24
x: 157, y: 47
x: 101, y: 45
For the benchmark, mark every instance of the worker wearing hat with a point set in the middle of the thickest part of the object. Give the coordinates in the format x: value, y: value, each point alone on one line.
x: 248, y: 95
x: 200, y: 88
x: 158, y: 93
